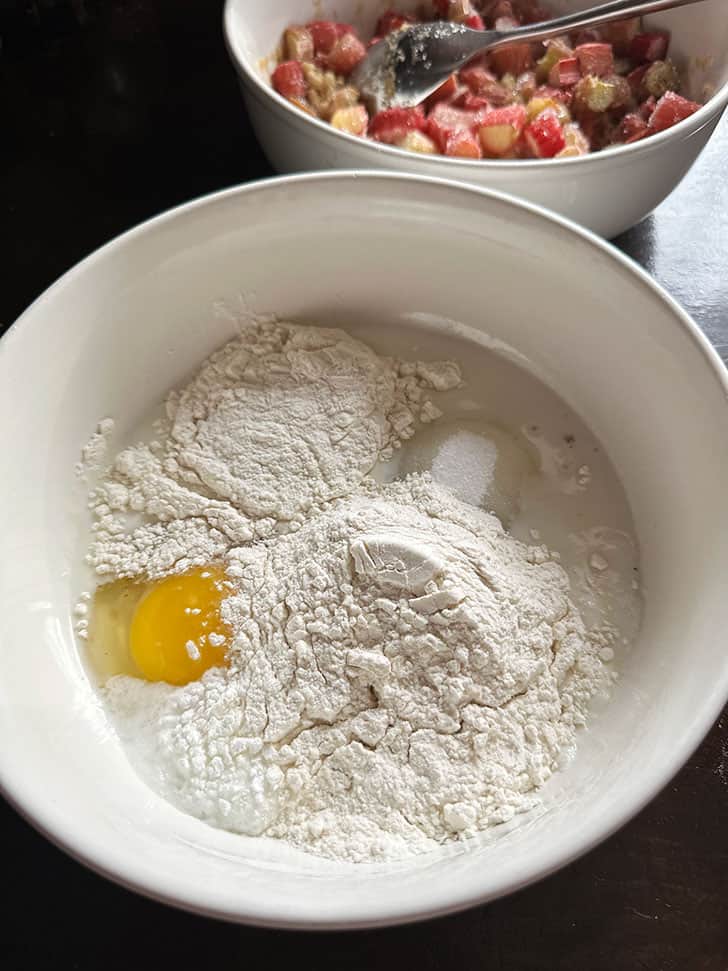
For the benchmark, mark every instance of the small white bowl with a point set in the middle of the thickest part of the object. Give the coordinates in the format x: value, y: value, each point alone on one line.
x: 134, y: 319
x: 607, y: 191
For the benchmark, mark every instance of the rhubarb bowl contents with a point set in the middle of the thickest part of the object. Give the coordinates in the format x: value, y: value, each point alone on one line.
x: 575, y: 94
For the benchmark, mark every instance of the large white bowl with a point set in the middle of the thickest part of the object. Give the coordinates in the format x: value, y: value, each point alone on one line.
x: 607, y: 192
x: 131, y: 321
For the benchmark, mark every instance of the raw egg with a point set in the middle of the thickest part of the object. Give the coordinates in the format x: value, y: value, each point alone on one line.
x: 162, y: 630
x: 176, y: 632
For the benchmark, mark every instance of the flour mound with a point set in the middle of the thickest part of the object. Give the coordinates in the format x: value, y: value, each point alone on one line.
x: 279, y: 421
x: 404, y: 673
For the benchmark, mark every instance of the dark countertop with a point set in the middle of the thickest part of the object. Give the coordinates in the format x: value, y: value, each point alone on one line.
x: 112, y: 111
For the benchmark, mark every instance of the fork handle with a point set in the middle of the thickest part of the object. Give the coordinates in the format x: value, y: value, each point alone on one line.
x: 603, y: 14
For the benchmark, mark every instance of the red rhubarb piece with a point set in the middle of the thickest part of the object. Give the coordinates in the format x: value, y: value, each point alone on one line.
x: 500, y: 129
x: 288, y: 80
x: 565, y: 73
x: 636, y: 78
x: 620, y: 34
x: 392, y: 20
x: 346, y: 53
x: 633, y: 127
x: 544, y: 136
x: 325, y: 33
x: 447, y: 90
x: 650, y: 47
x: 463, y: 144
x: 392, y: 124
x: 669, y: 110
x: 595, y: 59
x: 514, y: 59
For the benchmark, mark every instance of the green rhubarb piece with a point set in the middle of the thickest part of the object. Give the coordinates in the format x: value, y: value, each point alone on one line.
x: 661, y: 77
x: 555, y: 52
x: 594, y: 93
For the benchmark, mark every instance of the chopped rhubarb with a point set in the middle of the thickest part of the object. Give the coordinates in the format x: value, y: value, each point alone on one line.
x: 463, y: 144
x: 636, y: 79
x: 543, y: 100
x: 544, y: 137
x: 633, y: 128
x: 325, y: 33
x: 669, y: 110
x: 447, y: 90
x: 556, y: 50
x: 502, y: 8
x: 650, y: 47
x: 577, y: 93
x: 637, y: 136
x: 620, y: 34
x: 647, y: 107
x: 622, y: 92
x: 513, y: 59
x: 565, y: 73
x: 588, y: 36
x: 477, y: 78
x: 391, y: 20
x: 595, y: 59
x: 598, y: 129
x: 594, y: 94
x: 346, y: 53
x: 526, y: 85
x: 576, y: 142
x: 288, y: 80
x: 469, y: 101
x: 298, y: 44
x: 392, y: 124
x: 417, y: 141
x: 353, y: 119
x: 444, y: 120
x: 500, y: 130
x: 660, y: 77
x: 484, y: 83
x: 456, y: 10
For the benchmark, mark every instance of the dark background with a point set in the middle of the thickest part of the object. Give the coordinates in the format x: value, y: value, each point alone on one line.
x: 109, y: 113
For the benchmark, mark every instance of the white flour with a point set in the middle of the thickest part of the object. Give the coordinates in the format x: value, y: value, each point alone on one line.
x: 402, y: 673
x: 278, y: 421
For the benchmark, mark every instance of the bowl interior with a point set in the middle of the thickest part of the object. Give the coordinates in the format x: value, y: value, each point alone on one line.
x: 114, y: 335
x: 699, y: 33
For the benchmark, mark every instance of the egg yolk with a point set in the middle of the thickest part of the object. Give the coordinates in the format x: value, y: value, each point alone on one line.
x: 176, y: 632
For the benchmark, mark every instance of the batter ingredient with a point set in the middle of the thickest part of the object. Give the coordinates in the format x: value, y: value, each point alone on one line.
x: 176, y: 632
x: 361, y: 668
x: 278, y: 421
x: 402, y: 671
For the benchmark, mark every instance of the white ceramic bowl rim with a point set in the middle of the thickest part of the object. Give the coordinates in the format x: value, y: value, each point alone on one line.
x: 113, y: 863
x: 694, y: 122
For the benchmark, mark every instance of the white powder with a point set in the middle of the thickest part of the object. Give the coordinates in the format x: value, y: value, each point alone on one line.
x: 402, y: 672
x: 93, y: 454
x: 280, y: 420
